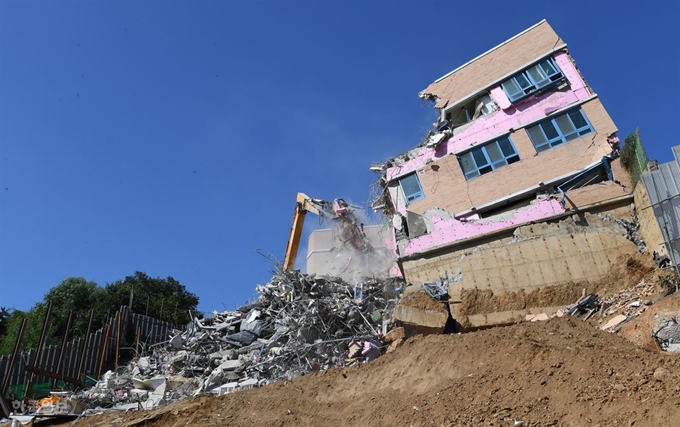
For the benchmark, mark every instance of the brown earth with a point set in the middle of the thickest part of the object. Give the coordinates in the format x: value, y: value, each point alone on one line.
x: 419, y: 299
x: 562, y: 372
x: 640, y: 330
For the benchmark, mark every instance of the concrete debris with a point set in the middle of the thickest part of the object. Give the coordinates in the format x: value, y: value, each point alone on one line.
x: 614, y: 322
x: 667, y: 331
x: 631, y: 228
x: 661, y: 260
x: 300, y: 323
x: 624, y: 305
x: 434, y: 139
x: 537, y: 317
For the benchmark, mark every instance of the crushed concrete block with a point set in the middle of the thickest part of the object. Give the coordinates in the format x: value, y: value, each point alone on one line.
x: 615, y: 321
x: 230, y: 365
x: 223, y: 354
x: 143, y: 362
x: 156, y: 397
x: 666, y: 329
x: 148, y: 384
x: 673, y: 348
x: 176, y: 342
x: 537, y: 317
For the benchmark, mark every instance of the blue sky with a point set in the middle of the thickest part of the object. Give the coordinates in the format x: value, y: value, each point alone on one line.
x: 172, y: 137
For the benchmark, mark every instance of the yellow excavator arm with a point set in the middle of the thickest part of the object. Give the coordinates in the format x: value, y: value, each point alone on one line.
x: 303, y: 205
x: 349, y: 230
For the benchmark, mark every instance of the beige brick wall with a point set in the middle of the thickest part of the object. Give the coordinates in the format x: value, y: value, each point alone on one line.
x: 505, y: 59
x: 445, y: 186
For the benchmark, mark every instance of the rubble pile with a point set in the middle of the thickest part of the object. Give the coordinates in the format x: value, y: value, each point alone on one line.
x: 625, y: 304
x: 299, y: 323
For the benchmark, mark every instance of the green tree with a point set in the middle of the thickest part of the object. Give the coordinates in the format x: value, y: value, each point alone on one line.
x: 4, y: 315
x: 165, y: 299
x: 31, y: 337
x: 80, y: 296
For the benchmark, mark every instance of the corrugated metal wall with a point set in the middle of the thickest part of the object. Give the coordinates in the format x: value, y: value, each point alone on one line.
x: 663, y: 187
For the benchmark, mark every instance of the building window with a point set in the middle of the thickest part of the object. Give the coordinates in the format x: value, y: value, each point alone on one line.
x: 557, y: 130
x: 488, y: 157
x: 410, y: 185
x: 532, y: 79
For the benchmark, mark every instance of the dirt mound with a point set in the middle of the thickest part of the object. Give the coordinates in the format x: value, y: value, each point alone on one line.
x: 557, y: 373
x: 627, y: 272
x: 421, y: 300
x: 476, y: 301
x: 639, y: 331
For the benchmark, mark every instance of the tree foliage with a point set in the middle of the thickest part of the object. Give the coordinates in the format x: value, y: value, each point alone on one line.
x: 34, y: 326
x: 633, y: 156
x: 80, y: 296
x: 164, y: 299
x: 4, y: 316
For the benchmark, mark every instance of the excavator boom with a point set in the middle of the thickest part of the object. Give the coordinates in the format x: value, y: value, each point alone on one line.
x: 350, y: 231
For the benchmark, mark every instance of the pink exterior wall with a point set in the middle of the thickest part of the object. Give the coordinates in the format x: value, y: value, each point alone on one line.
x: 451, y: 230
x: 499, y: 123
x: 507, y: 119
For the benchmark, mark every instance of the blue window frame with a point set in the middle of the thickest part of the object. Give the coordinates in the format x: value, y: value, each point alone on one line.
x: 488, y: 157
x: 532, y: 79
x: 410, y: 185
x: 559, y: 129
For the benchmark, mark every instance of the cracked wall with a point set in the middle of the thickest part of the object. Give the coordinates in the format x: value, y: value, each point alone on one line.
x: 553, y: 259
x: 445, y: 186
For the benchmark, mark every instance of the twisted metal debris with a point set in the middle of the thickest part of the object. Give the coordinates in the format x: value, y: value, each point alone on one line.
x: 299, y: 323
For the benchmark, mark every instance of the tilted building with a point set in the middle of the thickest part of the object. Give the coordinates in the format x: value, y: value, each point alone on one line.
x: 499, y: 194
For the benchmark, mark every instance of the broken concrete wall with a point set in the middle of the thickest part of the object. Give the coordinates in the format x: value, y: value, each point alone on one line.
x: 445, y: 231
x: 504, y: 59
x: 502, y: 121
x: 420, y: 313
x: 546, y: 259
x: 593, y: 194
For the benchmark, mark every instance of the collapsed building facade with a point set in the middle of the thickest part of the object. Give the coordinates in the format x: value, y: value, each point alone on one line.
x: 517, y: 188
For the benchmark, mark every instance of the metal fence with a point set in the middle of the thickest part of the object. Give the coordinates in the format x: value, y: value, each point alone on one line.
x: 663, y: 187
x: 100, y: 350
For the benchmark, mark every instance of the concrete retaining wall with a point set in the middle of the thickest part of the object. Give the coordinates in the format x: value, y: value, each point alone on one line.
x: 579, y: 249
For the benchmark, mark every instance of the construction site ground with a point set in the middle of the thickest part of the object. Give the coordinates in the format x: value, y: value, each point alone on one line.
x: 560, y: 372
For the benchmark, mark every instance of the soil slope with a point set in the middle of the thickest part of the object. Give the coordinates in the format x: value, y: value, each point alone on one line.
x: 562, y: 372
